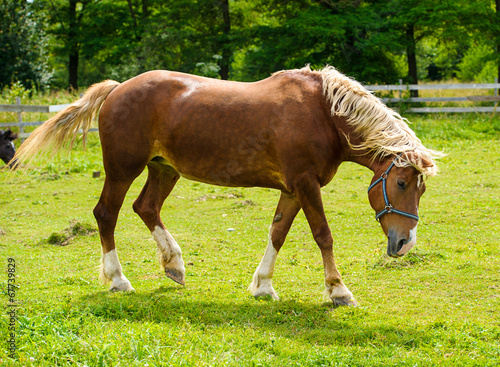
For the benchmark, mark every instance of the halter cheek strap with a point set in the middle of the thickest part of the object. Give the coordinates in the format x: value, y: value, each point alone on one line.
x: 388, y: 207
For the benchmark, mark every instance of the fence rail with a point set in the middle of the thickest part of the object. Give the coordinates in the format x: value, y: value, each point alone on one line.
x: 23, y: 108
x: 400, y: 88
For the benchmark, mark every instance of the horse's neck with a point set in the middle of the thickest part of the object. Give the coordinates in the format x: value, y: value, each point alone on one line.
x: 348, y: 140
x: 367, y: 161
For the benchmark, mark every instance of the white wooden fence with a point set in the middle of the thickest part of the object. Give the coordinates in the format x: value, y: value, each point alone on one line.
x: 400, y: 88
x: 495, y: 98
x: 22, y: 108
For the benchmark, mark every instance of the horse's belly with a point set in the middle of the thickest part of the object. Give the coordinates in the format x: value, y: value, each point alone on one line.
x: 233, y: 170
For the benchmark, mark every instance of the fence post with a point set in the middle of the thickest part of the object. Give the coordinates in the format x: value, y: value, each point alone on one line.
x: 496, y: 89
x: 400, y: 91
x: 20, y: 117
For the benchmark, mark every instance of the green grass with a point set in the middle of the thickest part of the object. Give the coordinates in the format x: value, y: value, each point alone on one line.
x: 439, y: 305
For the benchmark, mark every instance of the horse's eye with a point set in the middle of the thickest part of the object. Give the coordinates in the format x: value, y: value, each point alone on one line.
x: 401, y: 184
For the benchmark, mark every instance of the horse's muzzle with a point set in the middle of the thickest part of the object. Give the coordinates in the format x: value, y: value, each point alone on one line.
x: 398, y: 244
x: 13, y: 163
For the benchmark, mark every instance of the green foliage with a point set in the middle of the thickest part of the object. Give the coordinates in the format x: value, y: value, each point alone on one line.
x: 208, y: 69
x: 320, y: 34
x: 23, y: 46
x: 16, y: 89
x: 374, y: 41
x: 439, y: 60
x: 174, y: 35
x: 478, y: 64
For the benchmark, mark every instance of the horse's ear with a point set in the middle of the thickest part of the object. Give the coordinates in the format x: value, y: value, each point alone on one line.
x: 417, y: 160
x: 9, y: 135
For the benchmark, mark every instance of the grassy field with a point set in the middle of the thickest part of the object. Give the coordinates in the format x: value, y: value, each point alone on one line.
x: 439, y: 305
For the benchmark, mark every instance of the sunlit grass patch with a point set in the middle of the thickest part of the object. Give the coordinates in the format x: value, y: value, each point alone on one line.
x: 414, y: 258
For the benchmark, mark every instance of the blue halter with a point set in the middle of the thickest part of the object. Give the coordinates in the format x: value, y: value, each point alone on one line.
x: 388, y: 207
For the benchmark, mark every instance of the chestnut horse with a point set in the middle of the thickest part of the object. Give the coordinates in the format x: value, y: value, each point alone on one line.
x: 289, y: 132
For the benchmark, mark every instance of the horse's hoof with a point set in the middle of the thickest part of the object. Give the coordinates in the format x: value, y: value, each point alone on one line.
x: 267, y: 297
x: 344, y: 301
x: 262, y: 288
x: 121, y: 287
x: 176, y: 275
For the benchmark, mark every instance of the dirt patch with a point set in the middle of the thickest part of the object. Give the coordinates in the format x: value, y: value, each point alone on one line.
x: 75, y: 229
x: 215, y: 197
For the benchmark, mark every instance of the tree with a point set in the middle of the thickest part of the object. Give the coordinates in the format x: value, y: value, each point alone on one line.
x: 225, y: 41
x: 68, y: 28
x: 497, y: 23
x: 73, y: 43
x: 23, y: 46
x: 375, y: 41
x: 346, y: 34
x: 481, y: 59
x: 182, y: 34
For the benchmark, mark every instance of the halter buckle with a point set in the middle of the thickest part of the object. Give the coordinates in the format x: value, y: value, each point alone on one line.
x: 388, y: 208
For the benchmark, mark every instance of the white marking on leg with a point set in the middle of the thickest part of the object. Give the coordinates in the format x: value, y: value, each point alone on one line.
x: 112, y: 271
x: 166, y: 243
x: 411, y: 242
x: 335, y: 290
x: 262, y: 279
x: 169, y: 251
x: 338, y: 292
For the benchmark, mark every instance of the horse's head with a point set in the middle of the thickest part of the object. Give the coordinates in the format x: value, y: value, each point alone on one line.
x: 394, y: 194
x: 7, y: 148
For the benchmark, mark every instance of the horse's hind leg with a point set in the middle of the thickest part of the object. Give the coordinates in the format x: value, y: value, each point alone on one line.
x: 161, y: 180
x: 106, y: 214
x: 287, y: 209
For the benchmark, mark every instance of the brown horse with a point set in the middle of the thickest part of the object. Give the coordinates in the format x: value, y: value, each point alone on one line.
x: 289, y: 132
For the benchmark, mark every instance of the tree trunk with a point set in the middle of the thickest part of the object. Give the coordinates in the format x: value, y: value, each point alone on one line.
x: 132, y: 13
x: 226, y: 44
x: 498, y: 39
x: 138, y: 29
x: 411, y: 57
x: 73, y: 70
x: 73, y: 46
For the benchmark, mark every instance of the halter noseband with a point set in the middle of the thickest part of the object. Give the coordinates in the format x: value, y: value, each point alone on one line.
x: 388, y: 207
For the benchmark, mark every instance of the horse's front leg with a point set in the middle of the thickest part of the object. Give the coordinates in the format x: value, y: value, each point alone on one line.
x: 308, y: 192
x: 287, y: 209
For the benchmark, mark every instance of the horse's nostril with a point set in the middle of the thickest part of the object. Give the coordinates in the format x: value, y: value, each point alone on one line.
x: 401, y: 243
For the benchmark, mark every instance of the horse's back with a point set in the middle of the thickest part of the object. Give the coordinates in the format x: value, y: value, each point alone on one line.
x: 221, y: 132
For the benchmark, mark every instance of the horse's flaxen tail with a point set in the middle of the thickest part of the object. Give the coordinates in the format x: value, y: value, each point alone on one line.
x: 52, y: 135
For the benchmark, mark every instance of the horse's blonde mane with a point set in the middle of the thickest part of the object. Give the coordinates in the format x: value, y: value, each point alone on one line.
x: 382, y: 130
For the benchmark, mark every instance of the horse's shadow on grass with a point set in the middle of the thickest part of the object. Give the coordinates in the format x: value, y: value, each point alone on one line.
x: 314, y: 322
